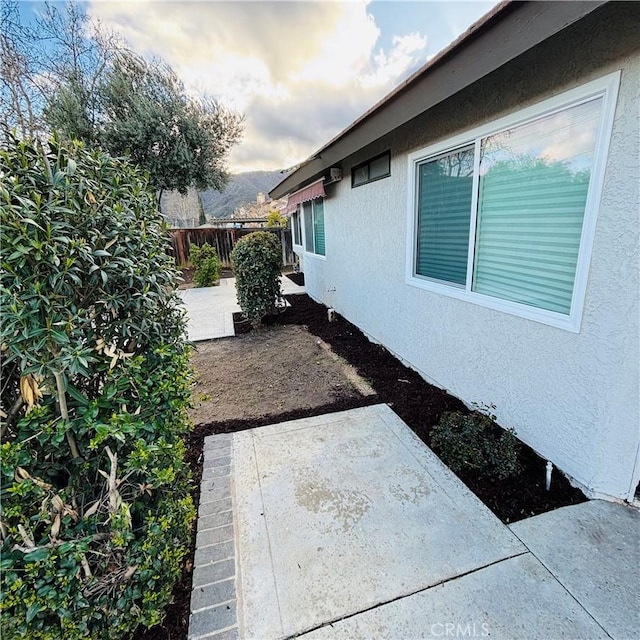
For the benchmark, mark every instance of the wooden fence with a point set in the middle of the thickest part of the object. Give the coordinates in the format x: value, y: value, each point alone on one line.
x: 223, y: 240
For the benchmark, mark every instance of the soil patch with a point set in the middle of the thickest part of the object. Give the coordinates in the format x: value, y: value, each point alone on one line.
x: 266, y: 373
x: 284, y: 373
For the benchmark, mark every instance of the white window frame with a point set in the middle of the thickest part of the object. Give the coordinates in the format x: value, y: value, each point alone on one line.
x: 607, y: 87
x: 303, y: 212
x: 297, y: 213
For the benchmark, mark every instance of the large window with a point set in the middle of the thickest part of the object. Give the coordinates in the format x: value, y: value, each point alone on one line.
x: 313, y: 213
x: 504, y: 216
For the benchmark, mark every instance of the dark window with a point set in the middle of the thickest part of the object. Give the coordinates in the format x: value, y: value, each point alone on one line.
x: 374, y: 169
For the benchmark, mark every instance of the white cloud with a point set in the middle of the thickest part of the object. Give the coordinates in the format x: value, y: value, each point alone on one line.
x: 299, y: 71
x: 345, y: 50
x: 391, y: 66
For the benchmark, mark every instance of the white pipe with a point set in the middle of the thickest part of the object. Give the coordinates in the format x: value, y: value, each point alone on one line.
x: 549, y: 470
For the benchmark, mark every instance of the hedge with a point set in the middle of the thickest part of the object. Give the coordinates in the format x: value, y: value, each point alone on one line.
x: 96, y: 511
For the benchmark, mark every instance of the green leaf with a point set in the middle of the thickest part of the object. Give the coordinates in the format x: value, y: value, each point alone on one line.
x: 36, y: 556
x: 76, y: 395
x: 33, y: 611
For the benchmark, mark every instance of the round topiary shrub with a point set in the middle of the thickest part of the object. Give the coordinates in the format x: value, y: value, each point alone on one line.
x: 257, y: 265
x: 96, y: 511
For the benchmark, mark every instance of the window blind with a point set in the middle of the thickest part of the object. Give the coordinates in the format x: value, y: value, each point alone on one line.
x: 318, y: 226
x: 308, y: 226
x: 532, y: 196
x: 444, y: 211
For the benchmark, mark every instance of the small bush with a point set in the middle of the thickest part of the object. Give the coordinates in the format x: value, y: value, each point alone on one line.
x: 96, y: 511
x: 257, y: 265
x: 207, y: 265
x: 276, y: 219
x: 473, y: 442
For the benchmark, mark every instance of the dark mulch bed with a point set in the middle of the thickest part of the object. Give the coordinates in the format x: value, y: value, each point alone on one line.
x: 298, y: 278
x: 241, y: 326
x: 417, y: 402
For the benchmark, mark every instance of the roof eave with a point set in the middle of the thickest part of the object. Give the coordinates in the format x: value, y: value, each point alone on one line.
x: 516, y: 27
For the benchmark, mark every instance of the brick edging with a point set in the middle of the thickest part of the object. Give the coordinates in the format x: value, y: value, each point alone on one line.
x: 213, y: 596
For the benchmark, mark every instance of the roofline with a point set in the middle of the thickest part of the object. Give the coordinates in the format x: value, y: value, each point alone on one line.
x: 550, y: 17
x: 443, y: 53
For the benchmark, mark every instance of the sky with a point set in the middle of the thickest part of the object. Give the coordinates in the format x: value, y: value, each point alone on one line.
x: 300, y: 72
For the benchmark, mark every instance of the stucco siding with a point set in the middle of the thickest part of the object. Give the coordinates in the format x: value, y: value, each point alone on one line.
x: 573, y: 397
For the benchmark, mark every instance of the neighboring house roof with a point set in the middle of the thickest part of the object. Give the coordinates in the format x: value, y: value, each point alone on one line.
x: 259, y: 210
x: 506, y: 32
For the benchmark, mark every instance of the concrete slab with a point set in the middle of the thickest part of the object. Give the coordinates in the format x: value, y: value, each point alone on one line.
x: 210, y: 309
x: 511, y: 600
x: 289, y: 287
x: 339, y: 513
x: 593, y: 549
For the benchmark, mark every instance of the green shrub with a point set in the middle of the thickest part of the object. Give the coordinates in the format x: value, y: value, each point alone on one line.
x: 96, y: 511
x: 473, y: 442
x: 257, y: 265
x: 206, y: 263
x: 276, y: 219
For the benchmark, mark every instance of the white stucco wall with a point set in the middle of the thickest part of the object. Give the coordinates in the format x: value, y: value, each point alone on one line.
x: 573, y: 397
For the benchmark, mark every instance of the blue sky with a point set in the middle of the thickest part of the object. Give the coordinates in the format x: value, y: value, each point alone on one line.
x: 299, y: 71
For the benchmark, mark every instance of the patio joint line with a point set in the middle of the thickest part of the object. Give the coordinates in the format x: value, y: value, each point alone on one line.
x: 555, y: 577
x: 275, y: 584
x: 405, y: 595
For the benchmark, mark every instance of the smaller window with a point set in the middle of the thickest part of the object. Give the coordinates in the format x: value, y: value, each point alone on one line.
x: 374, y: 169
x: 297, y: 231
x: 314, y: 226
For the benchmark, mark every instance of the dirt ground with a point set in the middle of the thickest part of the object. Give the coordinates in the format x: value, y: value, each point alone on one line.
x: 277, y: 370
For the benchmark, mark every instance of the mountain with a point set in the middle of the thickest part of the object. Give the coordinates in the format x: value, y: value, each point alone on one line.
x: 242, y: 188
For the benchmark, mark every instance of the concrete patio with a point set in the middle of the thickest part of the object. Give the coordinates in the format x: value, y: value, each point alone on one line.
x: 210, y: 309
x: 347, y: 526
